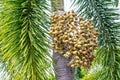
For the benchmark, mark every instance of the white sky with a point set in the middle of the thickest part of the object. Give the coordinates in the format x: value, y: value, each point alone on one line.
x: 67, y: 5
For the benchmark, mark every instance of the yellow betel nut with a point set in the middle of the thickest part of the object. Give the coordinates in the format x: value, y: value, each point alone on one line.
x: 73, y: 38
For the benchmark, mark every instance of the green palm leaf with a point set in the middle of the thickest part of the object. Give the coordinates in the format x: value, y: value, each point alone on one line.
x: 24, y: 39
x: 104, y: 16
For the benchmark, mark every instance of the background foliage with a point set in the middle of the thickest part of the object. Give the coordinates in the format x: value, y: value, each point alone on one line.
x: 105, y: 17
x: 24, y: 41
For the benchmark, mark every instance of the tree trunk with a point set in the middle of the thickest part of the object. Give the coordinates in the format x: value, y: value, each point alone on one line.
x: 62, y: 71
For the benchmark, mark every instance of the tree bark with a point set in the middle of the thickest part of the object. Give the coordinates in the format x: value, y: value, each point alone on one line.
x: 62, y: 71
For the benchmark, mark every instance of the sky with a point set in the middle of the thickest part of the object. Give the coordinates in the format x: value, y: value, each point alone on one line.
x: 67, y: 5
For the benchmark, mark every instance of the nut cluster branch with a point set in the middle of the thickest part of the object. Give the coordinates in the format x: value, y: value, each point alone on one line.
x: 76, y: 35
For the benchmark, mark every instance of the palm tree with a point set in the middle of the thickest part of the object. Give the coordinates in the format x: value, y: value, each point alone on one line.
x: 25, y: 42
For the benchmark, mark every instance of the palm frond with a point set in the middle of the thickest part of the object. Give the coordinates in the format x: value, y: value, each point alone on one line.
x: 116, y: 2
x: 104, y: 16
x: 23, y: 35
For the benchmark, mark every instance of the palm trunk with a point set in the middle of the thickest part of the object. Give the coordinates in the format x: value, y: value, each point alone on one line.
x: 62, y: 71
